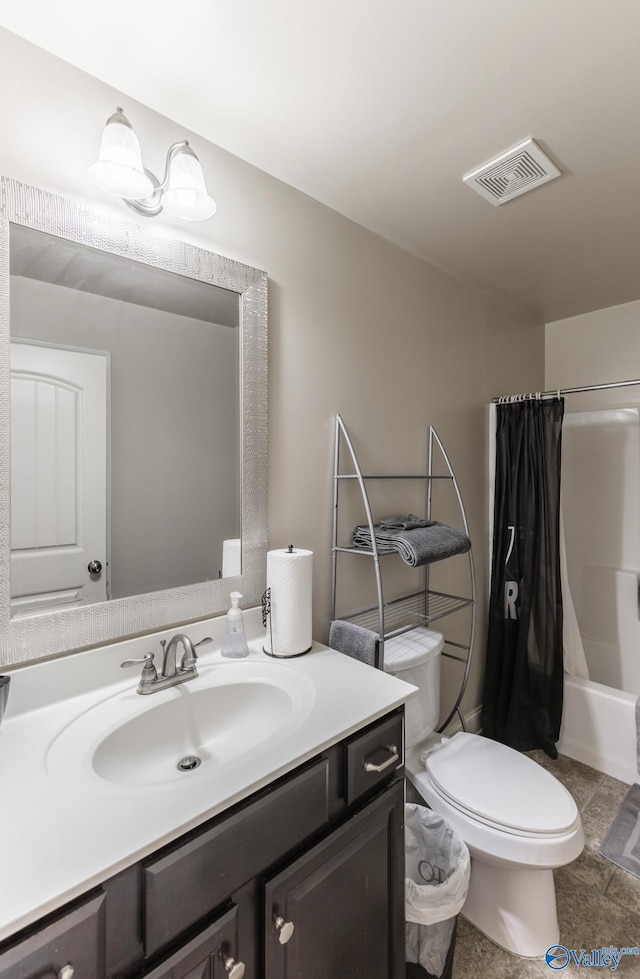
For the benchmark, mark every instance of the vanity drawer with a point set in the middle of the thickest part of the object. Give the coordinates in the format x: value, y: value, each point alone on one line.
x: 217, y: 860
x: 74, y: 940
x: 203, y: 956
x: 369, y: 756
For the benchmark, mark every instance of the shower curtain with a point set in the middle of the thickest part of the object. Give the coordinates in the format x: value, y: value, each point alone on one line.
x: 522, y: 701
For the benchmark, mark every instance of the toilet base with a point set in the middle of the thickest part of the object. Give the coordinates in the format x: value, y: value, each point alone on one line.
x: 515, y: 908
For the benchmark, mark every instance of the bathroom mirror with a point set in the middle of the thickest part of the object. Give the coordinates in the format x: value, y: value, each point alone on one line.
x: 139, y: 363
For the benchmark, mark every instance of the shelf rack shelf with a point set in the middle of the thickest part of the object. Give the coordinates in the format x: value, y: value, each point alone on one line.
x: 393, y: 618
x: 406, y: 613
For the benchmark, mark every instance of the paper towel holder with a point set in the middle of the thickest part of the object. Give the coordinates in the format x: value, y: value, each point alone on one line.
x: 266, y: 615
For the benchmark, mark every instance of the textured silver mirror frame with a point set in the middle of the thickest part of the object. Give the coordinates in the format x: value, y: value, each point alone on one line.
x: 52, y: 633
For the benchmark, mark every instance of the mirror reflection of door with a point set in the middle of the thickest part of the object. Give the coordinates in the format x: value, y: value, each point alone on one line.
x: 175, y: 491
x: 59, y: 478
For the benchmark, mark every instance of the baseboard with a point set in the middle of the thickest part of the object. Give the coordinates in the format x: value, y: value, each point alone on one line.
x: 472, y: 723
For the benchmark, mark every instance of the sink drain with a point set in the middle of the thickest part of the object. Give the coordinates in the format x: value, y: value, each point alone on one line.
x: 188, y: 763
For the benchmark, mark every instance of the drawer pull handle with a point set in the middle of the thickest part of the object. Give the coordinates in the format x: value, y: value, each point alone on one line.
x: 235, y: 969
x: 66, y: 972
x: 370, y: 767
x: 285, y: 929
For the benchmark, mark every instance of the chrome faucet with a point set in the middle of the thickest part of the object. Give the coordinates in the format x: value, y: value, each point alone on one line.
x: 171, y: 674
x: 189, y: 655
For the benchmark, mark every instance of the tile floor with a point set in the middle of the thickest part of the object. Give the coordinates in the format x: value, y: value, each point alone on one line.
x: 598, y: 903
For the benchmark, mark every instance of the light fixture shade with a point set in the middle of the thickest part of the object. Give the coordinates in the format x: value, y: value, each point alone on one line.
x: 186, y: 194
x: 119, y: 168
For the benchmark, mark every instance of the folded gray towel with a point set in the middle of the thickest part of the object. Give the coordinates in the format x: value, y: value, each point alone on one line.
x: 384, y: 539
x: 417, y: 547
x: 354, y: 641
x: 409, y: 522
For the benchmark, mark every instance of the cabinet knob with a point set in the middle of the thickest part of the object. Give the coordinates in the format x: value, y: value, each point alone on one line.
x: 235, y: 969
x: 284, y: 928
x: 66, y: 972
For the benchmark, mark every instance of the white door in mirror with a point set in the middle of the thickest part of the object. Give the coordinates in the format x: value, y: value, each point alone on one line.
x: 58, y: 477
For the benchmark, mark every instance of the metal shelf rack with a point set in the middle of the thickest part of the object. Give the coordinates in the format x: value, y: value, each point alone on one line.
x: 422, y: 607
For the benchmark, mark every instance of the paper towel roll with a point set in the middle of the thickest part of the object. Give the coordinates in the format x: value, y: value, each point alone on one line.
x: 289, y: 578
x: 231, y: 557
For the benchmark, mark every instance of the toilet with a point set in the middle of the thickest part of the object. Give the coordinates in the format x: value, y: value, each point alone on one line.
x: 517, y: 820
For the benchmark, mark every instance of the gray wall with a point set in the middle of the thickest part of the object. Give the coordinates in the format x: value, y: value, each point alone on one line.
x: 174, y: 432
x: 356, y: 324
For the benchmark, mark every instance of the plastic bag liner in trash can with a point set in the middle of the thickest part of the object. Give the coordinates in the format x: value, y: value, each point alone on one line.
x: 437, y: 868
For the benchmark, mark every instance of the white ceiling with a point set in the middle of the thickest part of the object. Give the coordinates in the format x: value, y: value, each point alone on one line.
x: 378, y: 107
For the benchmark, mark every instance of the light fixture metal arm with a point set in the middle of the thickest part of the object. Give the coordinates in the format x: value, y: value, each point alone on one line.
x: 171, y: 152
x: 152, y: 205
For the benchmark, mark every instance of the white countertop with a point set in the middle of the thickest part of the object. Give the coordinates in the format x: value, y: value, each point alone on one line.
x: 63, y: 835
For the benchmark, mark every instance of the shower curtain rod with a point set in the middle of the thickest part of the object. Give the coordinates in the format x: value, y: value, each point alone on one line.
x: 558, y: 393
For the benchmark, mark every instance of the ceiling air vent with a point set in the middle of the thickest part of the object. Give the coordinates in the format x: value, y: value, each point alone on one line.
x: 513, y: 173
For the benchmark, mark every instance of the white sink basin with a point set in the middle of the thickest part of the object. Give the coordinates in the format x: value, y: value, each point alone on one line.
x: 230, y: 712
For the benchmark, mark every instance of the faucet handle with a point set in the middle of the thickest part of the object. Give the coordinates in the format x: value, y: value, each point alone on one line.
x: 148, y: 671
x: 189, y: 658
x: 202, y: 642
x: 146, y: 659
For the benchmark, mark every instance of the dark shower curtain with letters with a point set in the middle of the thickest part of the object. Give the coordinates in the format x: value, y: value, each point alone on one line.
x: 522, y: 701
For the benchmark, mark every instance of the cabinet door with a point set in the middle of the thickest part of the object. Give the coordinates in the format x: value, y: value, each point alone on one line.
x: 345, y: 900
x: 69, y: 947
x: 210, y: 955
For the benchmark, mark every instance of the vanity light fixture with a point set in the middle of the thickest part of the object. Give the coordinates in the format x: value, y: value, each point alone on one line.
x: 120, y: 171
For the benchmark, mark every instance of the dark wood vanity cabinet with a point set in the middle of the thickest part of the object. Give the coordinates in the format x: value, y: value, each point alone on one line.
x: 303, y: 880
x: 345, y: 900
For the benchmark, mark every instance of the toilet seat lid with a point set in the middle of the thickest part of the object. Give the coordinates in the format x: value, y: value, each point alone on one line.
x: 500, y: 786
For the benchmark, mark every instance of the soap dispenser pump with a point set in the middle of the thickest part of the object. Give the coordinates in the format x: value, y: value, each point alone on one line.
x: 234, y: 643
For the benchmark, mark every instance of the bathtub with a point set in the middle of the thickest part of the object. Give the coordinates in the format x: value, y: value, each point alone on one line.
x: 599, y: 728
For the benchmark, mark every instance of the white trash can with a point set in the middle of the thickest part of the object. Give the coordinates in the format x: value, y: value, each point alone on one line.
x: 437, y: 870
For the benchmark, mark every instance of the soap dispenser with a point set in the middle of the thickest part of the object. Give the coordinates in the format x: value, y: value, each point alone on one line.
x: 234, y: 643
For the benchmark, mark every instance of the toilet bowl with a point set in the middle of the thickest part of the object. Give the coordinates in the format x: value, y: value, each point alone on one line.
x: 519, y: 823
x: 517, y: 819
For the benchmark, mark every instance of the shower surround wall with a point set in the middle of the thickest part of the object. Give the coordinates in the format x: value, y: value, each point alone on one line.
x: 601, y: 507
x: 601, y: 485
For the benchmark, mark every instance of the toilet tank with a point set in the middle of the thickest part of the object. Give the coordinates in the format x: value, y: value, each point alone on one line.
x: 415, y: 657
